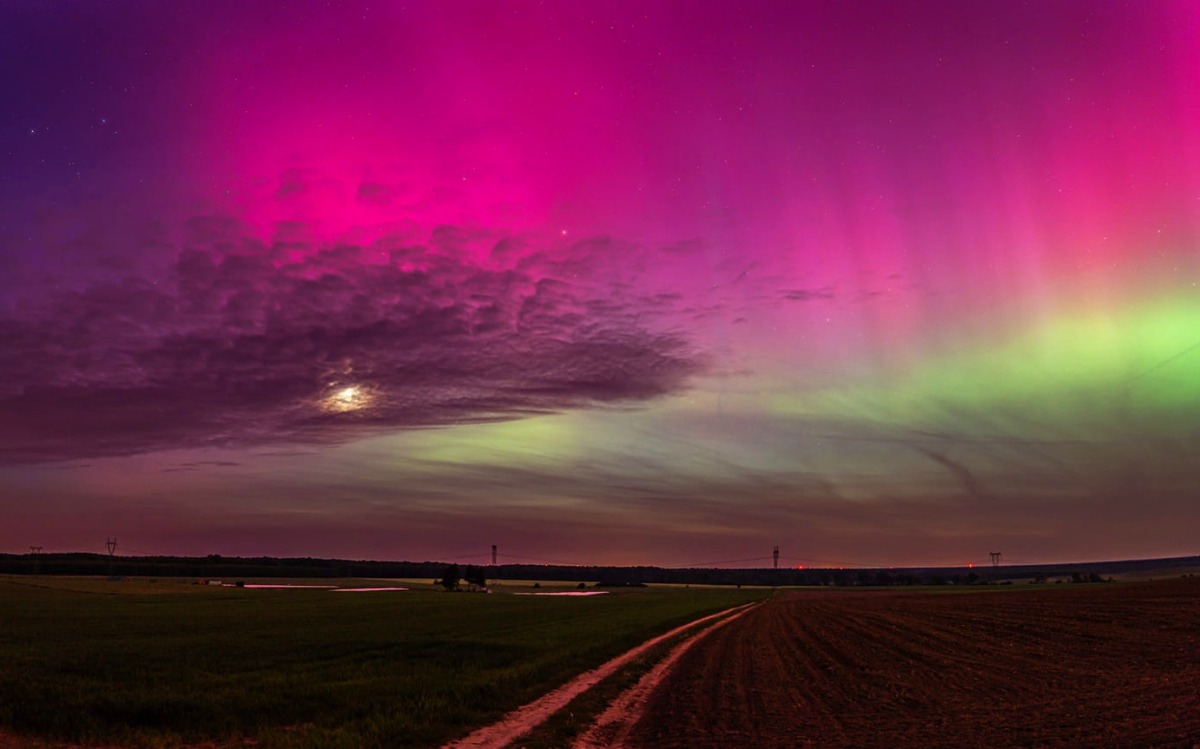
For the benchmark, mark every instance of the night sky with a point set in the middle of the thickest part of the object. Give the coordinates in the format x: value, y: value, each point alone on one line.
x: 882, y: 283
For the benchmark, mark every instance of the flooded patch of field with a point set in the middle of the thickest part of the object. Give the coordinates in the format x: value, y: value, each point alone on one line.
x: 566, y: 593
x: 294, y: 586
x: 278, y: 586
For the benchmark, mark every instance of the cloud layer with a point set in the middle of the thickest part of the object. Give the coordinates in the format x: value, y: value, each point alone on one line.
x: 243, y: 343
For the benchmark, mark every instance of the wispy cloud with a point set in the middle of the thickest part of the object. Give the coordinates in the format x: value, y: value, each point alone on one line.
x: 824, y: 293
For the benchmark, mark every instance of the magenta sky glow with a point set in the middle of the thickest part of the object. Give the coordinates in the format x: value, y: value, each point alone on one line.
x: 667, y: 283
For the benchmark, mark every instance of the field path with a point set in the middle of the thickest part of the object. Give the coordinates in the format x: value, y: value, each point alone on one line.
x: 1106, y: 665
x: 611, y: 728
x: 526, y: 718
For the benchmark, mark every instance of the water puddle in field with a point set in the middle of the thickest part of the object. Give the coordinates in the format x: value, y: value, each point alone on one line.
x: 567, y: 593
x: 336, y: 589
x: 285, y: 586
x: 278, y: 586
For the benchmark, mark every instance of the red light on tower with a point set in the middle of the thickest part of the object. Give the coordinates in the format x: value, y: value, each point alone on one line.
x: 970, y: 565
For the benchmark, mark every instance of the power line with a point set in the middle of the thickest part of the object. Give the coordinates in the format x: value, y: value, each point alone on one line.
x: 552, y: 561
x: 713, y: 564
x: 836, y: 563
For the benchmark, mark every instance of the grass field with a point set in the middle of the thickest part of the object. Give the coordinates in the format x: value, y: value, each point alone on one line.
x: 144, y: 663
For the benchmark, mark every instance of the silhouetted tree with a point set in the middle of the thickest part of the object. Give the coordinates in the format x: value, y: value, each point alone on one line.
x: 451, y: 577
x: 476, y: 577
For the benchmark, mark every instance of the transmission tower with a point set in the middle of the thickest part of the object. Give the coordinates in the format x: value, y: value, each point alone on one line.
x: 112, y: 549
x: 775, y: 555
x: 995, y: 555
x: 493, y: 555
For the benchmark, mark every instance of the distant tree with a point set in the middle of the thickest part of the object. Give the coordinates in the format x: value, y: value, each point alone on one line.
x: 476, y: 577
x: 451, y: 577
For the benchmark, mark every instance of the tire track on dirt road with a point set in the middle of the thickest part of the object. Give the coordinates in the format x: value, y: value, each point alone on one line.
x: 524, y: 719
x: 612, y: 727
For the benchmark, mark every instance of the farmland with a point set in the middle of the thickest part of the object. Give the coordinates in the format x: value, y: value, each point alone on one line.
x: 165, y: 663
x: 144, y: 663
x: 1100, y: 665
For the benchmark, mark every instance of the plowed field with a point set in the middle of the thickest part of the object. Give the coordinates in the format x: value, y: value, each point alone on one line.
x: 1101, y: 665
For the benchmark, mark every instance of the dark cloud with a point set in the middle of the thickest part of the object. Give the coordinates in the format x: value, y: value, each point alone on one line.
x: 243, y: 343
x: 375, y: 193
x: 959, y: 470
x: 688, y: 246
x: 194, y: 465
x: 824, y: 293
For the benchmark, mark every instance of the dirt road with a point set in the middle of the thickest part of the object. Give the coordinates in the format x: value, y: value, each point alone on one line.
x: 526, y: 718
x: 1114, y: 665
x: 611, y: 728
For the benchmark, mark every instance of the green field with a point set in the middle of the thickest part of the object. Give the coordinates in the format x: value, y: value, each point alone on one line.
x: 145, y: 663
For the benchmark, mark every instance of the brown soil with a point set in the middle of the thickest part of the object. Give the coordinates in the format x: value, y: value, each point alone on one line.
x: 1114, y: 665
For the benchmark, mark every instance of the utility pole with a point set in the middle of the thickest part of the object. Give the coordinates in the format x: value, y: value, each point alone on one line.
x: 493, y: 555
x: 775, y: 554
x: 112, y: 549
